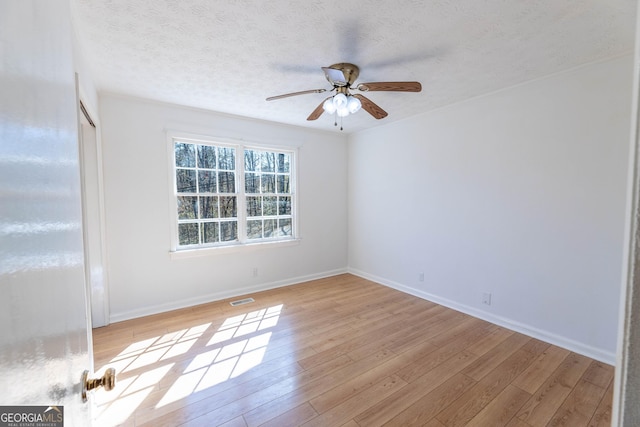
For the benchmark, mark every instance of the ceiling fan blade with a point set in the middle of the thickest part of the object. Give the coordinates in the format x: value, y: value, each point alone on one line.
x: 390, y: 86
x: 304, y: 92
x: 318, y: 111
x: 371, y: 107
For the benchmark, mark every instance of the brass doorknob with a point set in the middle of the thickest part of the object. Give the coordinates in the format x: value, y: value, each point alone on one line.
x: 108, y: 381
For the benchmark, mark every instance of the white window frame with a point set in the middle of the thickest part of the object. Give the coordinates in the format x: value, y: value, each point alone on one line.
x: 242, y: 244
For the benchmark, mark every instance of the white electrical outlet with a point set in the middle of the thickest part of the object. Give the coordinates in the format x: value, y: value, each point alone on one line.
x: 421, y: 277
x: 486, y: 298
x: 255, y: 271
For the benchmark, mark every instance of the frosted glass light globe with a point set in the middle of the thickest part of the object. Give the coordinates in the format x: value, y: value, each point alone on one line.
x: 329, y: 106
x: 343, y: 112
x: 340, y: 100
x: 353, y: 104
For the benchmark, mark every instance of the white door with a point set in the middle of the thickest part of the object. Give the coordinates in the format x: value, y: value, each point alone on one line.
x: 95, y: 271
x: 43, y: 308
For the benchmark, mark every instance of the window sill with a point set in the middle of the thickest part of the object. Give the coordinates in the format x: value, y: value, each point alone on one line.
x: 217, y: 250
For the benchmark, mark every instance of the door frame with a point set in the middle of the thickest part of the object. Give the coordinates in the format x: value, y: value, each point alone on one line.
x: 625, y: 409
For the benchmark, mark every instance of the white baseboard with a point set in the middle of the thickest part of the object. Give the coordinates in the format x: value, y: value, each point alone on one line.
x: 547, y: 336
x: 217, y: 296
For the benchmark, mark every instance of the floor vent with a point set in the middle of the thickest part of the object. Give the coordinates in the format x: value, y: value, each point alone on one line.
x: 242, y: 301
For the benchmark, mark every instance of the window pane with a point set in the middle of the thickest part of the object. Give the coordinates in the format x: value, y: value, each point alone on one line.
x: 206, y: 182
x: 210, y: 232
x: 284, y: 205
x: 254, y: 229
x: 228, y: 207
x: 254, y: 207
x: 251, y: 183
x: 186, y: 181
x: 188, y: 234
x: 206, y: 157
x: 251, y: 160
x: 269, y: 227
x: 228, y: 231
x: 283, y: 184
x: 227, y: 182
x: 268, y: 162
x: 187, y: 207
x: 226, y: 158
x: 284, y: 227
x: 268, y: 183
x: 284, y: 162
x: 185, y: 155
x: 208, y: 207
x: 270, y: 205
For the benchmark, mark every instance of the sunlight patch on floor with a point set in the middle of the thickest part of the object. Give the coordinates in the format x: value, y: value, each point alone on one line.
x: 224, y: 362
x: 235, y: 348
x: 119, y: 404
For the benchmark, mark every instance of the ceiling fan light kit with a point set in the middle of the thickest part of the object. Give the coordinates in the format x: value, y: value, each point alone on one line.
x: 342, y: 77
x: 342, y: 105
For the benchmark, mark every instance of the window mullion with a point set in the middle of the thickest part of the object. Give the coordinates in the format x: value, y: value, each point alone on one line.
x: 241, y: 196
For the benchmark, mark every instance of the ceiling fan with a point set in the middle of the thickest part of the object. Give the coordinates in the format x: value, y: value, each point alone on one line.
x: 342, y: 77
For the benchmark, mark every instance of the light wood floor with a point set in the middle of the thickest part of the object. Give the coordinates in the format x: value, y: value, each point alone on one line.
x: 341, y: 351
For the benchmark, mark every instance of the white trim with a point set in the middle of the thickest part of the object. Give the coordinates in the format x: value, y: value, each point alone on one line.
x: 550, y: 337
x: 226, y: 140
x: 221, y: 295
x: 624, y: 389
x: 239, y: 247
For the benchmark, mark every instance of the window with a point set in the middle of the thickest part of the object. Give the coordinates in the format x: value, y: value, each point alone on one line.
x: 267, y: 184
x: 231, y: 194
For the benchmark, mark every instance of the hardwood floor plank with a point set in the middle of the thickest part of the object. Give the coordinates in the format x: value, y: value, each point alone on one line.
x: 539, y: 410
x: 198, y: 402
x: 494, y: 357
x: 491, y: 385
x: 357, y: 403
x: 515, y: 422
x: 229, y: 405
x: 417, y: 335
x: 462, y: 330
x: 536, y: 374
x: 338, y: 351
x: 579, y: 407
x: 423, y: 411
x: 421, y: 366
x: 345, y: 388
x: 293, y: 417
x: 385, y: 410
x: 599, y: 374
x: 236, y: 422
x: 602, y: 416
x: 312, y: 389
x: 501, y: 409
x: 490, y: 341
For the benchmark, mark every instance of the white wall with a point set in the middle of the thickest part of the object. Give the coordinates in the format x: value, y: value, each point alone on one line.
x: 520, y: 193
x: 143, y: 279
x: 86, y: 86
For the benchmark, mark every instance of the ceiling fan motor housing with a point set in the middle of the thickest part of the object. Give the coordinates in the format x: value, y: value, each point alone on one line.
x: 342, y: 74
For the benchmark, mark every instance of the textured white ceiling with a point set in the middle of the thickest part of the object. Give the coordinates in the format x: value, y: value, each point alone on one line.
x: 229, y: 55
